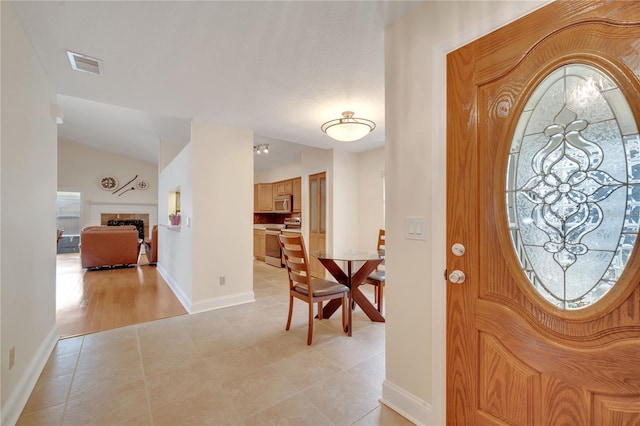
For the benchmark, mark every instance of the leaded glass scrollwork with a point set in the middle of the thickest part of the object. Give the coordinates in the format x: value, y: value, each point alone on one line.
x: 573, y: 186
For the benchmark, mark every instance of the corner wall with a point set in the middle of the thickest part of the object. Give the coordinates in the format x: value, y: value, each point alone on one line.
x: 175, y: 245
x: 222, y: 215
x: 215, y: 239
x: 28, y: 176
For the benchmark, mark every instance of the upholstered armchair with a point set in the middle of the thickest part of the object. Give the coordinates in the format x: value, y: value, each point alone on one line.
x: 151, y: 246
x: 108, y: 246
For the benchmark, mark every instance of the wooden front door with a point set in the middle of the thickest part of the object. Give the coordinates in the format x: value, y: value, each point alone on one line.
x: 526, y: 344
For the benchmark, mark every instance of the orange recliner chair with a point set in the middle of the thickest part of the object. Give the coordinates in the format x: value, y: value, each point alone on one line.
x: 108, y: 246
x: 151, y: 246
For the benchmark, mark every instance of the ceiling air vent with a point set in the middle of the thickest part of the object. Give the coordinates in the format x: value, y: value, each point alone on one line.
x: 85, y: 63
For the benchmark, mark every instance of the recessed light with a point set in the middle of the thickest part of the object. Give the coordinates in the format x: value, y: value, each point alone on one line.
x: 84, y: 63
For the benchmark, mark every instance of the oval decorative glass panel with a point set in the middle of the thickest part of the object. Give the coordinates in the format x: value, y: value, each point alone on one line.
x: 573, y: 186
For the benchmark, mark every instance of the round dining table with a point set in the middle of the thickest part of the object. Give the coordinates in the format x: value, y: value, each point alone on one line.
x: 367, y: 260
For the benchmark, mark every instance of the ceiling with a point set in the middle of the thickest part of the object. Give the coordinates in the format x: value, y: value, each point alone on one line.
x: 280, y: 68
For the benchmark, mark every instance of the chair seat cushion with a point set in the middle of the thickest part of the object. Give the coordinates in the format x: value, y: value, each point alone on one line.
x: 377, y: 276
x: 321, y: 288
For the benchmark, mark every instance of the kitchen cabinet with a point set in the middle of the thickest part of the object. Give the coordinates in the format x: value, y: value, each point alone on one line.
x: 283, y: 187
x: 264, y: 196
x: 296, y: 190
x: 290, y: 187
x: 258, y: 244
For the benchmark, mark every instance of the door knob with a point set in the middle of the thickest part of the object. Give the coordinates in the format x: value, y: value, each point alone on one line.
x: 457, y: 277
x: 458, y: 249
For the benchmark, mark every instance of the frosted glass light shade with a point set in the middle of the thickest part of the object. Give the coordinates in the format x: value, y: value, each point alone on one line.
x: 348, y: 128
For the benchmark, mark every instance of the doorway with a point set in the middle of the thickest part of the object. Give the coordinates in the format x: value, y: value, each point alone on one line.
x: 317, y: 220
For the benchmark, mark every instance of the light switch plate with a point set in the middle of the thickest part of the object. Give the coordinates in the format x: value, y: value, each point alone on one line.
x: 415, y: 228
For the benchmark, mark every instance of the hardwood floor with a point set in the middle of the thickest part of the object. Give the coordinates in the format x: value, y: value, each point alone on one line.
x: 92, y: 301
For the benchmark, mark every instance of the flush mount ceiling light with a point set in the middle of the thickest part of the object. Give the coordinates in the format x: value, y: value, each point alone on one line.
x: 348, y: 128
x: 84, y: 63
x: 259, y: 149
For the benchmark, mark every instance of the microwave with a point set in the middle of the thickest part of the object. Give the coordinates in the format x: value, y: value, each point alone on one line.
x: 282, y: 204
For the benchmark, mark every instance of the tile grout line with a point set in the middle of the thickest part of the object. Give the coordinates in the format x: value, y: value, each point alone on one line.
x: 73, y: 378
x: 202, y: 358
x: 144, y: 376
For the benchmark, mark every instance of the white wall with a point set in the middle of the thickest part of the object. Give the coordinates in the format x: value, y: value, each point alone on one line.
x: 215, y: 175
x: 80, y: 168
x: 354, y: 195
x: 370, y: 197
x: 415, y: 94
x: 27, y: 217
x: 345, y: 211
x: 175, y: 245
x: 288, y: 171
x: 167, y: 151
x: 222, y: 215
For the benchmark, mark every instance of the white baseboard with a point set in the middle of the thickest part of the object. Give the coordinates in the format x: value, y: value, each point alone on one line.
x: 404, y: 403
x: 18, y: 399
x: 224, y: 301
x: 205, y: 305
x: 182, y: 298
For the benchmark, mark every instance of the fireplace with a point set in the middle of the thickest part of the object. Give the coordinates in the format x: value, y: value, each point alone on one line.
x: 102, y: 213
x: 138, y: 223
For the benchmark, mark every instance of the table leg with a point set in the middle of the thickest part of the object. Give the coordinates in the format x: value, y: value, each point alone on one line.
x: 330, y: 308
x: 356, y: 280
x: 366, y: 305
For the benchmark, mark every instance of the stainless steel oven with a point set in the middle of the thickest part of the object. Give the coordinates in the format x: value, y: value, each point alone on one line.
x: 272, y: 255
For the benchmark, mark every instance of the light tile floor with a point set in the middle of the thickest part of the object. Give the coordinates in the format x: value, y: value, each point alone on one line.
x: 233, y: 366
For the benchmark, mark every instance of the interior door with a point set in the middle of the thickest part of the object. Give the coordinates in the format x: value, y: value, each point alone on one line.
x: 317, y: 221
x: 543, y: 301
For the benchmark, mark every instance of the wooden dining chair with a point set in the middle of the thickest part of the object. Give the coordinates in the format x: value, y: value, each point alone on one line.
x: 377, y: 277
x: 311, y: 290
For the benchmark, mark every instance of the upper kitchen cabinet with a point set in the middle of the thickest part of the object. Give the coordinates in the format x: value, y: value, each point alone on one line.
x: 290, y: 187
x: 284, y: 187
x: 264, y: 193
x: 263, y: 197
x: 296, y: 188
